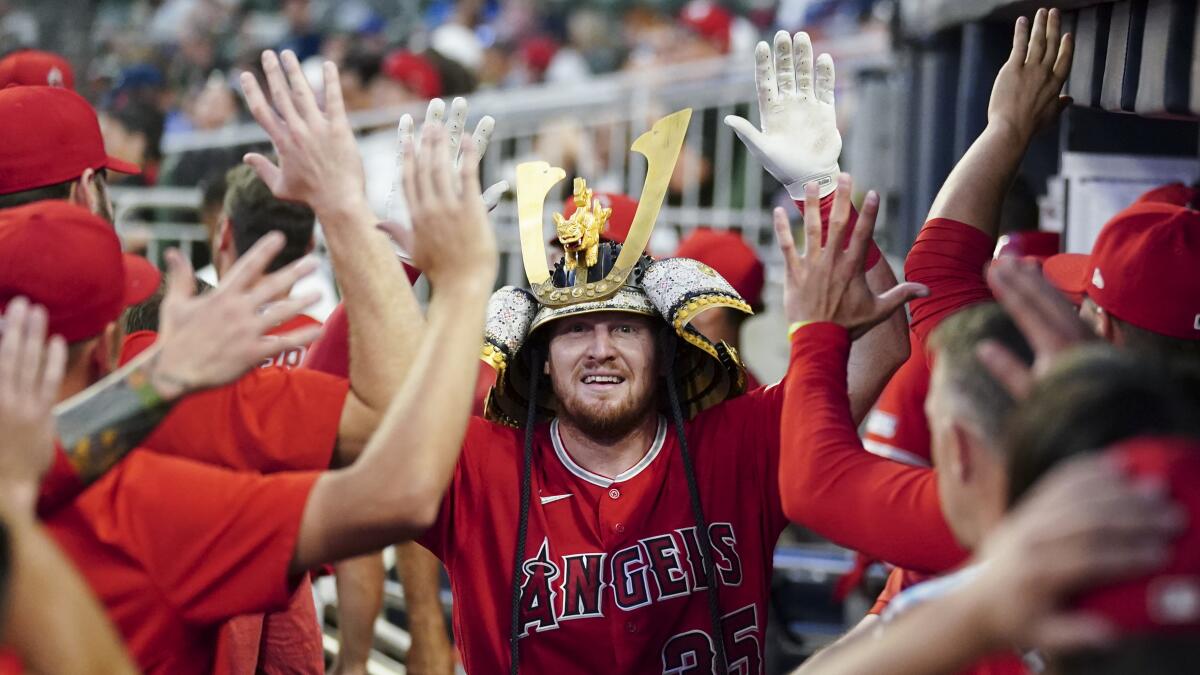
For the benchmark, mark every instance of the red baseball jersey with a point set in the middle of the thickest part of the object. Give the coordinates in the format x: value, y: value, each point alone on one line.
x: 290, y: 358
x: 949, y: 257
x: 269, y: 420
x: 887, y: 510
x: 172, y: 548
x: 611, y: 579
x: 288, y: 641
x: 896, y: 428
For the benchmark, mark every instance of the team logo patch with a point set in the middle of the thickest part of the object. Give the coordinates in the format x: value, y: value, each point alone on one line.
x: 1097, y: 278
x: 54, y: 78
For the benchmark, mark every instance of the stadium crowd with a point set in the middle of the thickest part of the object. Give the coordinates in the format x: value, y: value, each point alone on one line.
x: 606, y: 489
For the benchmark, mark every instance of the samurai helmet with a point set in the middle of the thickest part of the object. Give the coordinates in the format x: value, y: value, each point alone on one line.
x: 594, y: 275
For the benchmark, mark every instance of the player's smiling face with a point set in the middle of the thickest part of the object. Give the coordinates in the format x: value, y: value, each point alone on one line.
x: 603, y: 368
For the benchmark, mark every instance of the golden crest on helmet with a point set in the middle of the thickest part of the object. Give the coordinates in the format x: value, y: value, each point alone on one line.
x: 580, y: 234
x: 660, y: 145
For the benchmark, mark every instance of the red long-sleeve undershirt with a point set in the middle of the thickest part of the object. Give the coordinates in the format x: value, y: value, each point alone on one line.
x: 831, y: 485
x: 873, y: 253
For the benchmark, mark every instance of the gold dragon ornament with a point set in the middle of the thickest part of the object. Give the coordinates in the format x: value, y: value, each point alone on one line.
x: 580, y: 234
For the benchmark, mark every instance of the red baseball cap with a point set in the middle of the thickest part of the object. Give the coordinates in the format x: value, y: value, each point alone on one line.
x: 56, y: 138
x: 415, y: 72
x: 1167, y: 601
x: 61, y: 256
x: 32, y: 67
x: 1171, y: 193
x: 732, y: 258
x: 710, y: 20
x: 1142, y: 269
x: 623, y: 209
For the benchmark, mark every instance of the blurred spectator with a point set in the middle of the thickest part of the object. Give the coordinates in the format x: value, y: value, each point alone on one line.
x: 407, y: 77
x: 133, y: 133
x: 709, y: 25
x: 18, y: 28
x: 303, y: 36
x: 359, y: 68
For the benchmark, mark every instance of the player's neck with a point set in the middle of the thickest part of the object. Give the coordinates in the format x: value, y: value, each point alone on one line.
x: 608, y: 457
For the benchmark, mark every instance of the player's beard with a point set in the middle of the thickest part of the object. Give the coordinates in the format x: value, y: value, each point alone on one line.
x: 607, y: 423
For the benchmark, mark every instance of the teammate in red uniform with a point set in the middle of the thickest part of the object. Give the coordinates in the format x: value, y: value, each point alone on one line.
x: 798, y: 143
x: 885, y: 509
x: 1070, y: 528
x: 49, y: 621
x: 732, y: 258
x: 170, y: 563
x: 640, y: 488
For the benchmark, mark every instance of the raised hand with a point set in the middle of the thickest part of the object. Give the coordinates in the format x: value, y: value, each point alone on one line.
x: 31, y: 371
x: 1046, y: 319
x: 319, y: 162
x: 1083, y: 523
x: 827, y: 281
x: 799, y: 140
x: 451, y: 239
x: 1027, y: 93
x: 213, y: 339
x: 406, y: 145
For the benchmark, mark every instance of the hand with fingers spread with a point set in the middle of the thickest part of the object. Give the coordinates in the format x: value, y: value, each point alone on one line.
x: 1026, y: 96
x: 319, y: 162
x: 1046, y: 319
x: 799, y: 140
x: 31, y: 371
x: 1082, y: 524
x: 212, y: 339
x: 827, y: 281
x: 451, y: 239
x: 407, y: 144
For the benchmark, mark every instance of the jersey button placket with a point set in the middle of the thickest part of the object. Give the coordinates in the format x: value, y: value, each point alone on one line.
x: 612, y: 515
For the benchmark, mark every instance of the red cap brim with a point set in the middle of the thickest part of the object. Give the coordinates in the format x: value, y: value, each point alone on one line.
x: 120, y: 166
x: 1069, y: 273
x: 141, y: 279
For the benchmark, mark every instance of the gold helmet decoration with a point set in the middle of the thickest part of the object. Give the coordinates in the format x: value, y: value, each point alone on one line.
x: 601, y: 276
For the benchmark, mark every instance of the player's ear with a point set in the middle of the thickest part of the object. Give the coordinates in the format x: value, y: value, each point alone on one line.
x: 962, y: 463
x: 100, y: 354
x: 1106, y: 327
x: 83, y: 191
x: 224, y: 239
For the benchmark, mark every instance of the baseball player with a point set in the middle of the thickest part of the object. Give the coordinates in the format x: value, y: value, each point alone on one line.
x: 949, y: 255
x: 729, y: 254
x: 171, y: 563
x: 618, y: 509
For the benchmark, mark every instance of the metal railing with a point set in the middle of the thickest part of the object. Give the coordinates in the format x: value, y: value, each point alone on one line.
x: 586, y: 128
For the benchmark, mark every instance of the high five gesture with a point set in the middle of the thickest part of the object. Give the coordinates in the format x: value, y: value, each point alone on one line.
x: 827, y: 281
x: 799, y: 140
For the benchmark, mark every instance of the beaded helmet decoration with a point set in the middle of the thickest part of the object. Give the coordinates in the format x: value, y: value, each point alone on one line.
x: 601, y: 276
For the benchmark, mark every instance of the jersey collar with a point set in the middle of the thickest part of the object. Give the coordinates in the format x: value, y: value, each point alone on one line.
x: 604, y: 481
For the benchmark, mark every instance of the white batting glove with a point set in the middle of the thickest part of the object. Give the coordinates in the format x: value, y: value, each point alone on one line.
x: 396, y: 209
x: 799, y: 141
